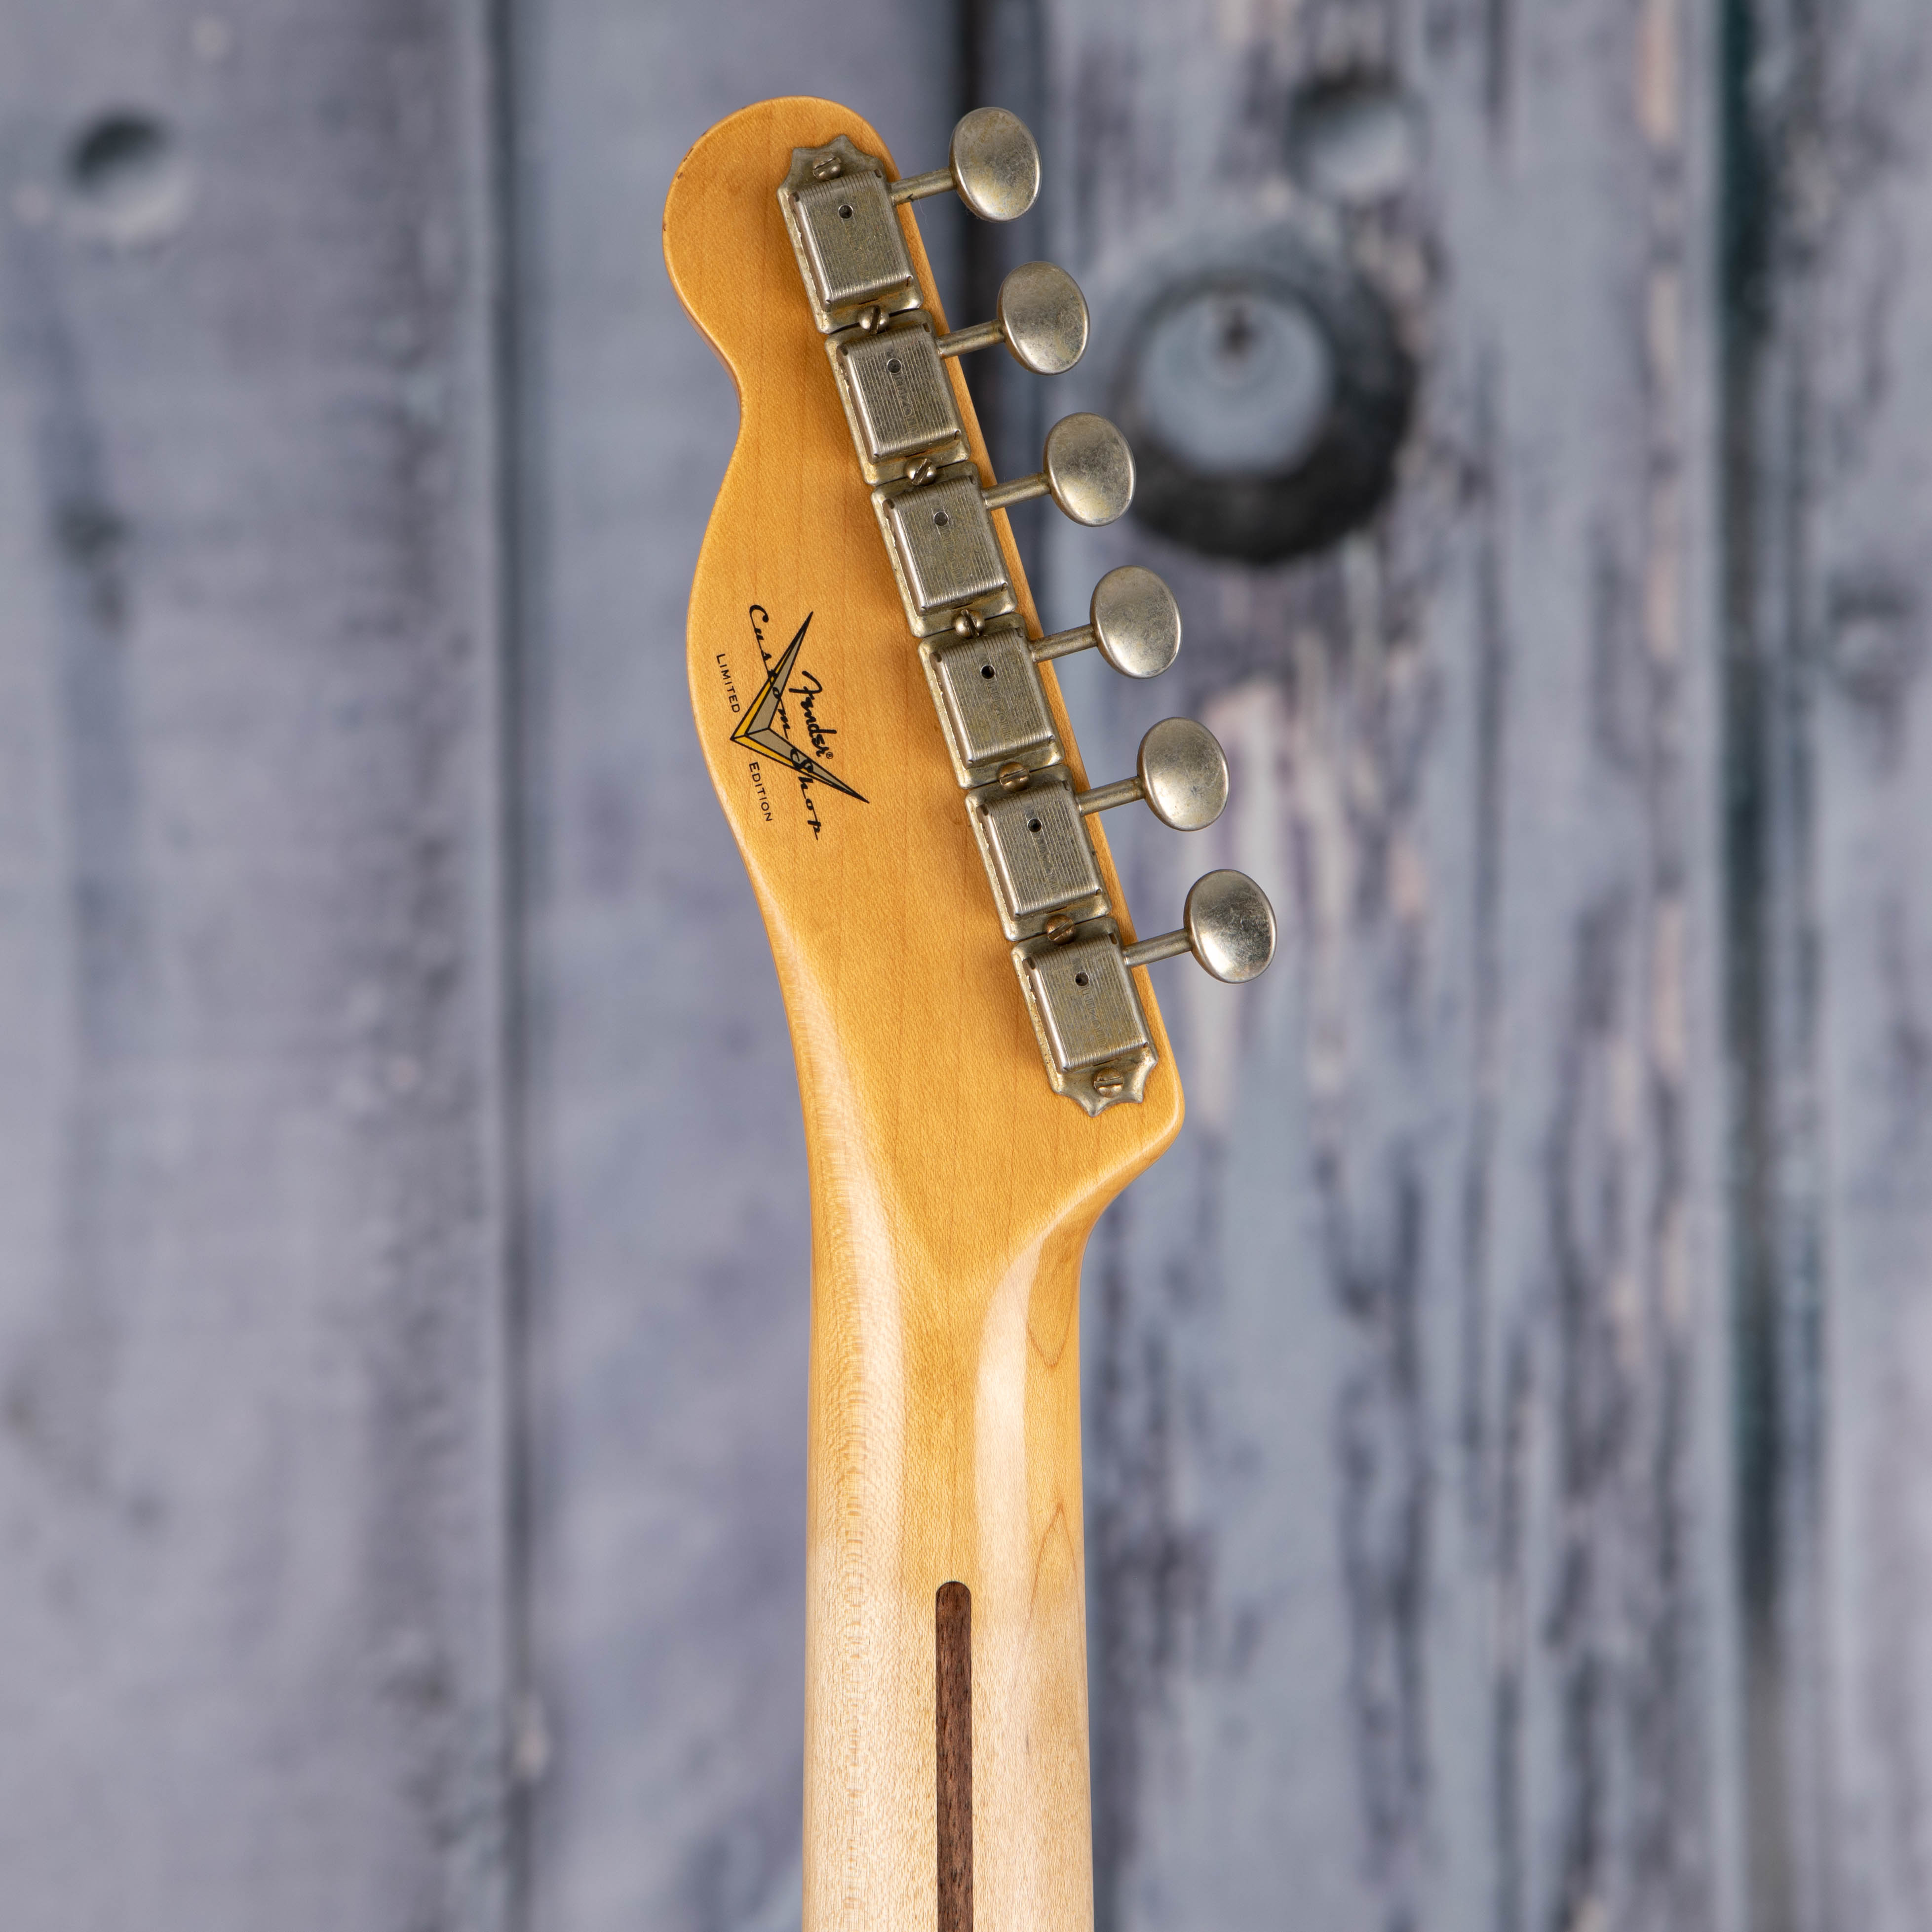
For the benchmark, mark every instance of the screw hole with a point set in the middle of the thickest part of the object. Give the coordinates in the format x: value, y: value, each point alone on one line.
x: 940, y: 520
x: 985, y: 670
x: 845, y: 211
x: 1080, y: 978
x: 1033, y: 825
x: 892, y: 365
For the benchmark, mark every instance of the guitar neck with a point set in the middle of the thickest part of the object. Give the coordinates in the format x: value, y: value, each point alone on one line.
x: 982, y: 1064
x: 946, y: 1704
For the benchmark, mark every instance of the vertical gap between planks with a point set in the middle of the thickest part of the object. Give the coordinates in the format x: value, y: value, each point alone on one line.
x: 1774, y: 1263
x: 952, y: 1728
x: 525, y: 1745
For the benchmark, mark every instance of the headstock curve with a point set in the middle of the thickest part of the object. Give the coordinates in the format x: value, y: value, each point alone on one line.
x: 898, y: 983
x: 880, y: 716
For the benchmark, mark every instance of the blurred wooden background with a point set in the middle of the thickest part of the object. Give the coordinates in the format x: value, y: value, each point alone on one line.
x: 1510, y: 1410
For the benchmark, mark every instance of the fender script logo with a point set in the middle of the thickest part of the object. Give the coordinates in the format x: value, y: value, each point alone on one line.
x: 759, y: 731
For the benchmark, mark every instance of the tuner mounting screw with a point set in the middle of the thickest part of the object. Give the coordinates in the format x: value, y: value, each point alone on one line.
x: 923, y: 471
x: 1012, y: 776
x: 828, y: 167
x: 969, y: 623
x: 1059, y: 928
x: 1109, y: 1082
x: 871, y: 318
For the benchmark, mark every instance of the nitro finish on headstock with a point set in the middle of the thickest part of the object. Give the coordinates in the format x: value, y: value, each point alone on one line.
x: 952, y: 1186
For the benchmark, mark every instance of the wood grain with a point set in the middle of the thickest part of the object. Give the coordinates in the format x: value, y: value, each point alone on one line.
x: 953, y: 1190
x: 1408, y: 1463
x: 253, y: 1413
x: 1829, y: 268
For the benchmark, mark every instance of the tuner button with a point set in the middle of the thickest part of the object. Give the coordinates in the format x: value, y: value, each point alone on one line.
x: 1042, y: 321
x: 1043, y: 317
x: 1134, y: 619
x: 1183, y: 775
x: 1229, y: 928
x: 1089, y: 472
x: 1136, y: 622
x: 994, y: 162
x: 1089, y: 469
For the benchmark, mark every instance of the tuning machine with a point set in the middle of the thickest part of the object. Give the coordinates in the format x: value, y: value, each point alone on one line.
x: 1040, y: 315
x: 936, y: 514
x: 838, y: 211
x: 1027, y: 823
x: 1228, y: 925
x: 1086, y: 1015
x: 989, y: 695
x: 992, y: 162
x: 897, y: 399
x: 1079, y: 988
x: 1181, y: 774
x: 1086, y: 468
x: 939, y: 530
x: 1131, y: 618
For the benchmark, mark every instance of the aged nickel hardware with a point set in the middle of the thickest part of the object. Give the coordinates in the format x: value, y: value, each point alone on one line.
x: 1132, y: 618
x: 1182, y: 773
x: 1229, y: 928
x: 992, y: 704
x: 898, y: 400
x: 838, y: 211
x: 943, y: 552
x: 996, y: 716
x: 1037, y: 853
x: 1042, y: 319
x: 1028, y: 823
x: 935, y: 513
x: 940, y: 534
x: 1087, y: 468
x: 846, y: 237
x: 1093, y: 1034
x: 993, y: 162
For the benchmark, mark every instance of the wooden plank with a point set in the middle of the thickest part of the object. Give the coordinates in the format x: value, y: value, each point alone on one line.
x: 252, y: 1461
x: 1831, y: 926
x: 670, y: 1279
x: 1409, y: 1516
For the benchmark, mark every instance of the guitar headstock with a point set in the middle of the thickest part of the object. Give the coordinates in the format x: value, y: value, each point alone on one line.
x: 877, y: 706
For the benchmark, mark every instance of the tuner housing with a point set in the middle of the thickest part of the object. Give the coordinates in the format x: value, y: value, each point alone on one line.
x: 899, y: 401
x: 845, y: 233
x: 1038, y: 856
x: 945, y: 556
x: 1087, y: 1015
x: 991, y: 704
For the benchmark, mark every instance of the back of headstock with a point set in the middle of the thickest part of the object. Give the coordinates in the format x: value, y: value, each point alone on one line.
x: 981, y: 1061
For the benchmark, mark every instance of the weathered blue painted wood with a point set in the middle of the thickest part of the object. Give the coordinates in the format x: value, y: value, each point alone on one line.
x: 252, y: 1453
x: 1408, y: 1476
x: 1830, y: 775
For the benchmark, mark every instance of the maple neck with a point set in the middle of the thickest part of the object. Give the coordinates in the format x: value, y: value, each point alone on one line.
x: 955, y: 1173
x: 944, y: 1451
